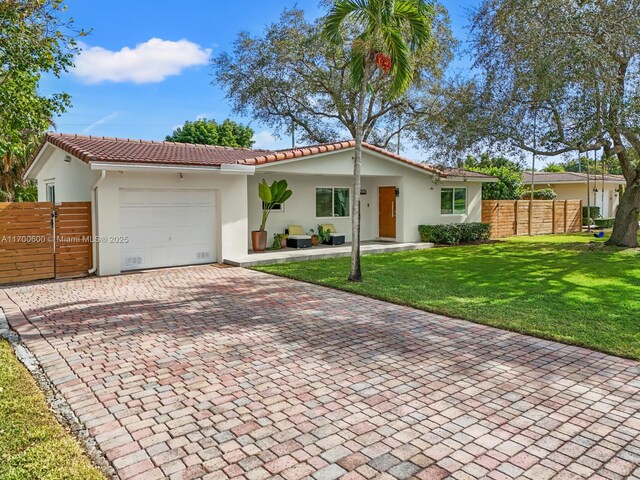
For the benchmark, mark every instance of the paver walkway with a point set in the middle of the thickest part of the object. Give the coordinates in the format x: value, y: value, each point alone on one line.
x: 216, y: 373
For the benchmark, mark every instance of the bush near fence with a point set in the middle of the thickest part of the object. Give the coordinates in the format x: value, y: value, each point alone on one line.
x: 595, y: 213
x: 604, y: 222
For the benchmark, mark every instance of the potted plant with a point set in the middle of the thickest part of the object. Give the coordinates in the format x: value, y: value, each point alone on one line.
x: 314, y: 238
x: 279, y: 241
x: 271, y: 195
x: 324, y: 236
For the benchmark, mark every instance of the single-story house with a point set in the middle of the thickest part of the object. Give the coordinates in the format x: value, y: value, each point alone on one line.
x: 573, y: 186
x: 159, y: 204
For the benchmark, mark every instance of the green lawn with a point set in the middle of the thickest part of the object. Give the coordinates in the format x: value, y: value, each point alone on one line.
x: 569, y: 288
x: 32, y: 443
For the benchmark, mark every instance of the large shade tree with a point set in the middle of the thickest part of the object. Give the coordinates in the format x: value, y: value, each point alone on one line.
x: 291, y: 76
x: 36, y: 37
x: 382, y: 38
x: 556, y: 77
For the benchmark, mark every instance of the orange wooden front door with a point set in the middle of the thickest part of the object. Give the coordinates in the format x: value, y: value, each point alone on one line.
x: 387, y: 209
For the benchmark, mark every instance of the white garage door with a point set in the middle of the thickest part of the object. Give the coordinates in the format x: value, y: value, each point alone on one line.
x: 166, y: 228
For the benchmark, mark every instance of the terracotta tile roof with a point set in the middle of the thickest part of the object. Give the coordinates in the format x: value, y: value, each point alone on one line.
x: 570, y: 177
x: 330, y: 147
x: 106, y: 149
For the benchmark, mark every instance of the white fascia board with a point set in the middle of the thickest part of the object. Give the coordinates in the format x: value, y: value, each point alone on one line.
x: 149, y: 167
x: 228, y: 169
x: 46, y: 148
x: 235, y: 169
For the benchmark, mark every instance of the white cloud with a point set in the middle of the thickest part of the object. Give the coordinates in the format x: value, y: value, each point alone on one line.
x: 265, y: 140
x: 104, y: 119
x: 149, y: 62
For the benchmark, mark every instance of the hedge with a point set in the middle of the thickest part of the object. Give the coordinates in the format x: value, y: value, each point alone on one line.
x: 595, y: 213
x: 542, y: 194
x: 455, y: 233
x: 604, y: 222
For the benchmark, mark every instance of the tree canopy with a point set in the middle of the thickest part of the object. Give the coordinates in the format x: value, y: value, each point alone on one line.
x: 209, y: 132
x: 510, y: 184
x: 36, y: 37
x: 555, y: 76
x: 291, y: 76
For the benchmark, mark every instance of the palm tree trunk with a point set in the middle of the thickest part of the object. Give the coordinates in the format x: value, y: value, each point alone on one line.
x: 356, y: 271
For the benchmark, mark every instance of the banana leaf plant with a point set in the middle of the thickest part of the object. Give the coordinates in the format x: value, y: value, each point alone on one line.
x: 272, y: 195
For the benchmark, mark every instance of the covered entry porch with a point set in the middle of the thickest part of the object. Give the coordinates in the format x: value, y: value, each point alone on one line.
x: 328, y: 199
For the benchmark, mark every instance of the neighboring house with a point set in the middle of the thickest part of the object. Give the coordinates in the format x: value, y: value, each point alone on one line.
x: 180, y: 204
x: 573, y: 186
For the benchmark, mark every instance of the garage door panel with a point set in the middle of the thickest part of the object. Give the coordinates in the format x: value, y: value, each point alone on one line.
x: 167, y: 227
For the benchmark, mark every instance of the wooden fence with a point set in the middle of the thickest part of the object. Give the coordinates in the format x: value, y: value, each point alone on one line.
x: 532, y: 217
x: 41, y: 241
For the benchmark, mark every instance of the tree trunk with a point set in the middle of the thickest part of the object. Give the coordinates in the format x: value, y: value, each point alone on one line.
x: 356, y: 271
x: 625, y: 227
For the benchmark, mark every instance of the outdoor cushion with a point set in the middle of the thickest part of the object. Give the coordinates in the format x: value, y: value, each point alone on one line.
x: 329, y: 227
x: 295, y: 230
x: 299, y: 237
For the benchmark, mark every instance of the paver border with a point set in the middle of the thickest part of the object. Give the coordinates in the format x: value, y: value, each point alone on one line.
x: 20, y: 333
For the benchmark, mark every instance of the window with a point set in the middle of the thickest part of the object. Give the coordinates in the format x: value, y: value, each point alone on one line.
x: 278, y: 207
x: 453, y: 201
x: 332, y: 202
x: 51, y: 192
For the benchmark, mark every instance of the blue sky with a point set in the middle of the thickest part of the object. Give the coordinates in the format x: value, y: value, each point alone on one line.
x: 162, y: 77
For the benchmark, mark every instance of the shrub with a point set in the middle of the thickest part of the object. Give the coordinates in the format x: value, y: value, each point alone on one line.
x: 455, y: 233
x: 542, y: 194
x: 606, y: 222
x: 595, y: 213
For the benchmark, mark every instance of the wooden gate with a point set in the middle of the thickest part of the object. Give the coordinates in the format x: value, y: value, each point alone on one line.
x: 41, y: 241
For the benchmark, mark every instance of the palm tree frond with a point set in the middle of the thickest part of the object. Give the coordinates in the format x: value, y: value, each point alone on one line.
x: 357, y: 66
x: 341, y: 10
x: 401, y: 69
x: 418, y: 16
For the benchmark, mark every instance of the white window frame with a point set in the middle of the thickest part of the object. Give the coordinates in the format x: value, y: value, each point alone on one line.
x: 453, y: 198
x: 47, y: 186
x: 315, y: 192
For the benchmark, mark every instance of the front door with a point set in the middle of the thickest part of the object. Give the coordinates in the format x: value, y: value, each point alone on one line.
x: 387, y: 209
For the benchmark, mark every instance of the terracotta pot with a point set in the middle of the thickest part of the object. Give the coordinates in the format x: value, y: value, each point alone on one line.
x: 259, y: 240
x: 283, y: 242
x: 315, y: 241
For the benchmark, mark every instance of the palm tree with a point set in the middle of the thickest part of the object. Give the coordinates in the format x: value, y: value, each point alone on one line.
x: 387, y: 33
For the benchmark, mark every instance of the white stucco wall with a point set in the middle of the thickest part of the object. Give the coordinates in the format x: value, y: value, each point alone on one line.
x: 231, y: 207
x: 72, y: 179
x: 578, y: 191
x: 418, y: 202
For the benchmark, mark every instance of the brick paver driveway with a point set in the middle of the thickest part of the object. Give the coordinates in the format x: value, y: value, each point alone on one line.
x: 216, y: 373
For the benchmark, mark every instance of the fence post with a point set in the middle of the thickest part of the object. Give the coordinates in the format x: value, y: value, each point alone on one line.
x: 515, y: 218
x: 530, y: 215
x: 565, y: 215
